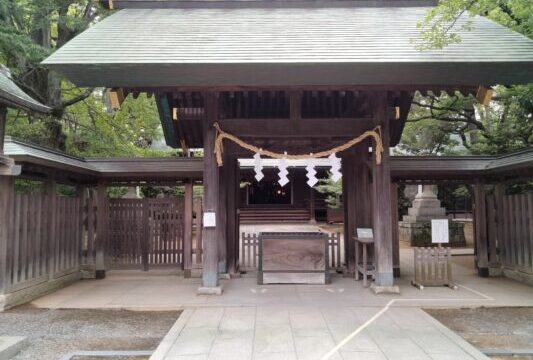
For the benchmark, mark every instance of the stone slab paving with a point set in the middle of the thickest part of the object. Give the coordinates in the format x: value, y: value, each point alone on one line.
x: 306, y: 333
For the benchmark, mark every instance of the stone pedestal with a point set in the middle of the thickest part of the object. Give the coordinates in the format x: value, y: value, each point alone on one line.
x: 415, y: 228
x: 426, y: 206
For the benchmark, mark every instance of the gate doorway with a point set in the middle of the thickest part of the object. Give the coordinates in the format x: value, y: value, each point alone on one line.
x: 145, y: 233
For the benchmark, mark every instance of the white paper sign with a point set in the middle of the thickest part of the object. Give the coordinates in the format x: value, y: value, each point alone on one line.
x: 210, y: 219
x: 365, y: 233
x: 439, y: 231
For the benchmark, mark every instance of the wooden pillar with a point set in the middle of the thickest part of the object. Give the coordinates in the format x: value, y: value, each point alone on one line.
x: 7, y: 192
x: 395, y: 230
x: 222, y: 214
x: 383, y: 253
x: 210, y: 284
x: 480, y: 229
x: 361, y: 188
x: 101, y: 229
x: 187, y: 229
x: 232, y: 184
x: 51, y: 199
x: 81, y: 193
x: 3, y: 120
x: 312, y: 215
x: 499, y: 193
x: 349, y: 203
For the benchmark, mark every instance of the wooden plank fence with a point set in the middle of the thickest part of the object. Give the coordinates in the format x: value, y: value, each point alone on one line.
x: 249, y: 251
x: 515, y: 231
x: 44, y: 239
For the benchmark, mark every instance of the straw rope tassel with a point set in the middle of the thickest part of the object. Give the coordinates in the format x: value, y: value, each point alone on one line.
x: 221, y: 135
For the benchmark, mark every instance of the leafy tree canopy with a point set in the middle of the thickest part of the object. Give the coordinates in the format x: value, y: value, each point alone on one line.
x: 453, y: 123
x: 30, y: 30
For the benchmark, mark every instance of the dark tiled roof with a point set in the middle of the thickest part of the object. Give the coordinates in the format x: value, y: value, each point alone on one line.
x: 12, y: 96
x: 282, y: 46
x: 403, y: 168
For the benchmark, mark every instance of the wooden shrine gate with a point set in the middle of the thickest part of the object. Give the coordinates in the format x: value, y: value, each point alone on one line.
x: 145, y: 233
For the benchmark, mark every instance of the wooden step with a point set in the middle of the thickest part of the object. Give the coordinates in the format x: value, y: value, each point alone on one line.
x: 273, y: 215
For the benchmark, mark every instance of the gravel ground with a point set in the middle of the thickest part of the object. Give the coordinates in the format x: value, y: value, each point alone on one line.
x: 53, y: 333
x: 491, y: 328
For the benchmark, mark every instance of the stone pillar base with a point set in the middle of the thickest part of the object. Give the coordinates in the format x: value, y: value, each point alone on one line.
x: 99, y: 274
x: 211, y: 290
x: 224, y: 276
x: 377, y: 289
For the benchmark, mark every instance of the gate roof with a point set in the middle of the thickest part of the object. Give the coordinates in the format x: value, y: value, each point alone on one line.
x: 337, y: 43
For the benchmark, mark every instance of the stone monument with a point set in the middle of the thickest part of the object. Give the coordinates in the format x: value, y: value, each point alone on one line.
x: 415, y: 227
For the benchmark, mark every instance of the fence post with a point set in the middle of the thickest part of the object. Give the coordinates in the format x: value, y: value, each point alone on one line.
x: 187, y: 229
x: 101, y: 230
x: 145, y: 243
x: 480, y: 229
x: 7, y: 191
x: 51, y: 199
x: 81, y: 192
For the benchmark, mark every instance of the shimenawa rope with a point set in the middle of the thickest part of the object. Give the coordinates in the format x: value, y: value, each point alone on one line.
x: 221, y: 135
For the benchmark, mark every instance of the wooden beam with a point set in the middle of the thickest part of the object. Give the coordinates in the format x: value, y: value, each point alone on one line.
x: 116, y: 97
x: 187, y: 229
x: 283, y: 128
x: 480, y: 229
x: 383, y: 257
x: 466, y: 89
x: 484, y: 95
x: 210, y: 282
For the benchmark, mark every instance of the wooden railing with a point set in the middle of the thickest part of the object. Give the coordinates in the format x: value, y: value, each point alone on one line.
x: 249, y: 251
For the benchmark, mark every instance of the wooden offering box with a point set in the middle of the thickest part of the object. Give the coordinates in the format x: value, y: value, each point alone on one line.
x: 293, y: 258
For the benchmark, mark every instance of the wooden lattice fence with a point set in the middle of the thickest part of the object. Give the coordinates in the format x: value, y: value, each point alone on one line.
x: 145, y: 232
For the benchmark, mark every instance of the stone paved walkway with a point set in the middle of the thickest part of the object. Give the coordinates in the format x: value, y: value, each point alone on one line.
x: 305, y: 333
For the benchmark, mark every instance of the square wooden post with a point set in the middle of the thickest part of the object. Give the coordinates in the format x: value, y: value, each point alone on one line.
x: 361, y: 188
x: 480, y: 229
x: 349, y: 200
x: 383, y: 254
x: 499, y: 193
x: 232, y: 222
x: 210, y: 283
x: 81, y: 193
x: 395, y: 230
x: 51, y: 199
x: 187, y: 229
x: 222, y: 214
x: 7, y: 192
x: 101, y: 229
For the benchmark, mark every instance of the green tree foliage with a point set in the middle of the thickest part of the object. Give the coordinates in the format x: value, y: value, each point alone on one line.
x: 453, y: 123
x: 30, y: 30
x: 333, y: 190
